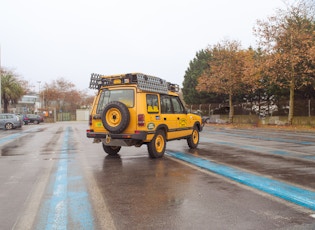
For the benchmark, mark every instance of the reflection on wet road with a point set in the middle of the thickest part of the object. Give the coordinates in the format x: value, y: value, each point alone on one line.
x: 64, y: 181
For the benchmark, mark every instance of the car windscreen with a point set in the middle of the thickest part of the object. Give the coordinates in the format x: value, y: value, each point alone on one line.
x: 125, y: 96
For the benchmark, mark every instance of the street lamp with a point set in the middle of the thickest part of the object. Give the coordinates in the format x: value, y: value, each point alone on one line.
x: 39, y: 93
x: 0, y: 83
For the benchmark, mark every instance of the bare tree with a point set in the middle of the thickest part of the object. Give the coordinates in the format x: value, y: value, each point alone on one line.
x: 63, y: 95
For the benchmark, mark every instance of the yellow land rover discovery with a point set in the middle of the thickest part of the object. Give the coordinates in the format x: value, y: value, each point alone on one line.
x: 135, y: 109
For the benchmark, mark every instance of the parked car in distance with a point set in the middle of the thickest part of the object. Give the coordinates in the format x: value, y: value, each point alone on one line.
x: 10, y: 121
x: 32, y: 118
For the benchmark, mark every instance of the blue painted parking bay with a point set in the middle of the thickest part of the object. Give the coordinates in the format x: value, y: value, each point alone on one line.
x: 66, y: 205
x: 291, y: 193
x: 259, y: 149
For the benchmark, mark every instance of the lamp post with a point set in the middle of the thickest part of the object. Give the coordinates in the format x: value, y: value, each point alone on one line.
x: 40, y: 105
x: 0, y: 83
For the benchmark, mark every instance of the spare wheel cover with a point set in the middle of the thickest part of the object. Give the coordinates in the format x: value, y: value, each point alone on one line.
x: 115, y: 117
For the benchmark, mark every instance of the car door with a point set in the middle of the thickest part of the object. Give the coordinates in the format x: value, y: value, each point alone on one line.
x: 183, y: 125
x: 168, y: 117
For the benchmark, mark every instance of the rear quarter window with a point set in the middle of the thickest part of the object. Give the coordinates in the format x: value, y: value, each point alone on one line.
x: 152, y: 103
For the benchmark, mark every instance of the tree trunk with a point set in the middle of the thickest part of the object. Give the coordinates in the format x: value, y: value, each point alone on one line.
x: 291, y: 102
x: 231, y: 112
x: 292, y: 87
x: 5, y: 105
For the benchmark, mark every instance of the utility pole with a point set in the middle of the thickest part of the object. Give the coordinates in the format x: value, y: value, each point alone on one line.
x: 0, y: 83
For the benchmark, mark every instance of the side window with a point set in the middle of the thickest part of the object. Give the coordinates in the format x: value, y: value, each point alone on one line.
x: 104, y: 99
x: 177, y: 105
x: 166, y: 106
x: 152, y: 103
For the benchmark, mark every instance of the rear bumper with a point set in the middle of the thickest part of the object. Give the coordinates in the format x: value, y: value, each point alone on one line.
x: 136, y: 136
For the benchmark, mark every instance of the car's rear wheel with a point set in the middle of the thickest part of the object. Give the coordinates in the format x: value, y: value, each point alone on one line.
x: 115, y: 117
x: 8, y: 126
x: 111, y: 150
x: 156, y: 147
x: 193, y: 139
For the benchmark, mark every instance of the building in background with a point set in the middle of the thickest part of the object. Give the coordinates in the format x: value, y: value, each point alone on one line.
x: 28, y: 104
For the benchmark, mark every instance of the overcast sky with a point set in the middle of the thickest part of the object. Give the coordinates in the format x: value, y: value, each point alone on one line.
x: 43, y: 40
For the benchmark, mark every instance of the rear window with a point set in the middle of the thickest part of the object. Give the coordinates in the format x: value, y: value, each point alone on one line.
x: 125, y: 96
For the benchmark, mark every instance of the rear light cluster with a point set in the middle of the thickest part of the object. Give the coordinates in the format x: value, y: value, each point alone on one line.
x: 141, y: 120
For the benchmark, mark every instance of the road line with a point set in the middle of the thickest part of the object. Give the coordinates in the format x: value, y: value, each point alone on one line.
x: 58, y: 210
x: 103, y: 216
x: 26, y: 220
x: 69, y: 205
x: 291, y: 193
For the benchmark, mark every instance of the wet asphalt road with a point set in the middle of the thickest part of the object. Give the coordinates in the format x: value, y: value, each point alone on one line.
x: 53, y: 177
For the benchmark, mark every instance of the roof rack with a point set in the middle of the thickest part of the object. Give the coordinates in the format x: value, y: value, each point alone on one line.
x: 95, y: 81
x: 144, y: 82
x: 152, y: 84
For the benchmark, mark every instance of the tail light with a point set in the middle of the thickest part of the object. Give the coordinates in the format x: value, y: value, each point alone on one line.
x: 141, y: 120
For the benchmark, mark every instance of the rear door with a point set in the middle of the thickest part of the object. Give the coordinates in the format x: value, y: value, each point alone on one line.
x: 168, y: 117
x: 2, y: 120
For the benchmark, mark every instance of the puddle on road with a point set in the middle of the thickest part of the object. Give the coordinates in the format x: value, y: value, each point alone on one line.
x: 9, y: 151
x: 14, y: 148
x: 47, y: 152
x: 58, y: 158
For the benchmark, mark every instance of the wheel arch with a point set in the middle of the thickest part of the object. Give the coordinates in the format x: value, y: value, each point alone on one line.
x: 162, y: 127
x: 198, y: 125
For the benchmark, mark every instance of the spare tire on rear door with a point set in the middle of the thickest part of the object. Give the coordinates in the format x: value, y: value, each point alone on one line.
x: 115, y: 117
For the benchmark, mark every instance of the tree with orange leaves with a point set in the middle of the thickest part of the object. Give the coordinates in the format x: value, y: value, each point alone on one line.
x: 288, y: 43
x: 232, y: 70
x: 63, y: 95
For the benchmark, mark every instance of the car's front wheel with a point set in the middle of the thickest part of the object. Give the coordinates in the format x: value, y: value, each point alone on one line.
x: 156, y: 147
x: 111, y: 150
x: 193, y: 139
